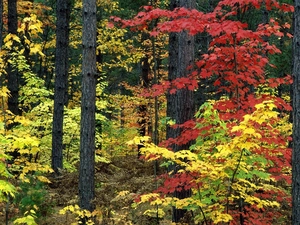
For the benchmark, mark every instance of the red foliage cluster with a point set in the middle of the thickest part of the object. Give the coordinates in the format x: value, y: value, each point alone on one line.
x: 178, y: 182
x: 237, y: 56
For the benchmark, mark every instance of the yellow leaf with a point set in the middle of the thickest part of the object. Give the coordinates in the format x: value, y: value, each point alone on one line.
x: 8, y: 44
x: 123, y: 193
x: 4, y: 92
x: 249, y: 130
x: 43, y: 179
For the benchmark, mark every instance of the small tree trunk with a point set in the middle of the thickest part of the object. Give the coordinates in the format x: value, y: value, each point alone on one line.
x: 87, y: 130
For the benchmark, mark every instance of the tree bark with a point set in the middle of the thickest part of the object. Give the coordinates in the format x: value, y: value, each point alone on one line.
x: 180, y: 106
x: 296, y: 118
x: 61, y: 81
x: 12, y: 73
x: 87, y: 130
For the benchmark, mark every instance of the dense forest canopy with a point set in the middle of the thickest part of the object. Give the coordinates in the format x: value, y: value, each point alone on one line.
x: 149, y: 112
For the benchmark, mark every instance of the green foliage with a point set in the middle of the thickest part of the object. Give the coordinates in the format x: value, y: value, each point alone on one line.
x: 71, y: 137
x: 115, y: 137
x: 33, y: 91
x: 112, y: 42
x: 33, y: 197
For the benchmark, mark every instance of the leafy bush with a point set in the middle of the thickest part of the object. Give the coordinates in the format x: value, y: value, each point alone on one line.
x: 33, y: 196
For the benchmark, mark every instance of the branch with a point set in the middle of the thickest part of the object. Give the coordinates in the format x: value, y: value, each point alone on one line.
x: 232, y: 181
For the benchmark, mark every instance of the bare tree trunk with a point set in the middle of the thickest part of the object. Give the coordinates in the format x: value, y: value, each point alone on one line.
x: 61, y: 81
x: 12, y: 73
x: 296, y: 118
x: 87, y: 131
x: 180, y: 106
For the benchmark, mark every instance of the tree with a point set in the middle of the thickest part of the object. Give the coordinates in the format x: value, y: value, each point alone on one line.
x: 61, y: 81
x: 180, y: 105
x: 87, y: 129
x: 296, y: 118
x: 13, y: 80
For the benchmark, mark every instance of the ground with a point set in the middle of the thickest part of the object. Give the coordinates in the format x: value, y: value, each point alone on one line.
x: 123, y: 173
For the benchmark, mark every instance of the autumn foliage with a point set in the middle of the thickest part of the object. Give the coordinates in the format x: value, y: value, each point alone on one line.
x: 239, y: 167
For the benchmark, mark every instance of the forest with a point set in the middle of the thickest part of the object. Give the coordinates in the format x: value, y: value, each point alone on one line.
x: 149, y: 112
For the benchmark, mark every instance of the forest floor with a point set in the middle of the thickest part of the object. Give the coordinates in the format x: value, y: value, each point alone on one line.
x: 117, y: 185
x: 126, y: 173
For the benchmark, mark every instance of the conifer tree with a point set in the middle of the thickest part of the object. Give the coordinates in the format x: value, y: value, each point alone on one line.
x: 61, y: 81
x: 87, y: 129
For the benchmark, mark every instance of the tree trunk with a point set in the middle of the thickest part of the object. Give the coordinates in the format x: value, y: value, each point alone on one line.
x: 87, y: 130
x: 12, y: 73
x: 61, y: 81
x: 143, y: 117
x: 296, y: 118
x: 180, y: 106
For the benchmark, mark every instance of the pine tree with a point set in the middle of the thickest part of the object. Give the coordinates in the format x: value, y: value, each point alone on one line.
x: 61, y: 81
x: 87, y: 130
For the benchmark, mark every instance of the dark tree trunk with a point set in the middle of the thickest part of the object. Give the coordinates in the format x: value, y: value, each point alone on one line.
x: 296, y: 118
x: 61, y: 81
x: 87, y: 130
x: 12, y: 73
x: 143, y: 117
x: 180, y: 106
